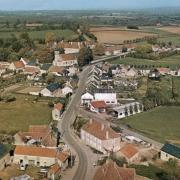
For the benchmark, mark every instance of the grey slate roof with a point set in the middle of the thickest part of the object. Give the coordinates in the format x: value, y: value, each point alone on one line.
x: 53, y: 86
x: 171, y: 149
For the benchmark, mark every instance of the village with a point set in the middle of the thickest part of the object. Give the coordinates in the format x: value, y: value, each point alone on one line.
x: 102, y: 102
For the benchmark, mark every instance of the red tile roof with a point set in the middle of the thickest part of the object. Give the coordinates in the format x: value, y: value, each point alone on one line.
x: 58, y: 106
x: 68, y: 57
x: 31, y: 70
x: 99, y: 130
x: 129, y: 150
x: 56, y: 69
x: 40, y: 152
x: 39, y: 128
x: 19, y: 64
x: 55, y: 169
x: 98, y: 104
x: 111, y: 171
x: 163, y: 70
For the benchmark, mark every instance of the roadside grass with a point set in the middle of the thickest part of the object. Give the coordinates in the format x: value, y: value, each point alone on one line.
x: 172, y: 62
x: 66, y: 34
x: 161, y: 124
x: 18, y: 115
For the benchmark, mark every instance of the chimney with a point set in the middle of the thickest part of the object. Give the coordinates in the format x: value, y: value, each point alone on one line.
x: 107, y: 134
x: 91, y: 121
x: 102, y: 127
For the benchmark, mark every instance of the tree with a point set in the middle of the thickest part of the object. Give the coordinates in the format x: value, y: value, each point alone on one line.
x: 143, y: 49
x: 85, y: 56
x: 172, y: 168
x: 99, y: 50
x: 124, y: 49
x: 49, y: 37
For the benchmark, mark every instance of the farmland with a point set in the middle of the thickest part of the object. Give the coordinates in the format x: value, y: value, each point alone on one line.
x: 18, y: 115
x: 161, y: 124
x: 172, y: 62
x: 117, y: 35
x: 171, y: 29
x: 66, y: 34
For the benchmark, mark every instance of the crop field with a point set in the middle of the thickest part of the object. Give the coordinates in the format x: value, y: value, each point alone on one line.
x: 161, y: 124
x: 171, y: 29
x: 66, y: 34
x: 18, y: 115
x: 117, y: 35
x: 172, y: 62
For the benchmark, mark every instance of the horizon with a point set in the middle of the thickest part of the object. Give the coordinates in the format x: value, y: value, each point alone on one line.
x: 35, y: 5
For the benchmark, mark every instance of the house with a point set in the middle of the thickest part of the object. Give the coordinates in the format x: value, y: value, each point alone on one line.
x: 107, y: 95
x: 17, y: 66
x: 45, y: 67
x: 154, y: 74
x: 97, y: 106
x: 36, y: 135
x: 86, y: 99
x: 129, y: 109
x: 111, y: 171
x: 40, y: 156
x: 64, y: 60
x: 170, y: 151
x: 57, y: 111
x: 130, y: 153
x: 2, y: 70
x: 100, y: 137
x: 57, y: 71
x: 70, y: 47
x: 31, y: 71
x: 164, y: 71
x: 52, y: 90
x: 3, y: 67
x: 54, y: 172
x: 67, y: 90
x: 131, y: 72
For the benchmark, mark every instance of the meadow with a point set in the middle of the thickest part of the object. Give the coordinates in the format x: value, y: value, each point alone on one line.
x: 161, y: 124
x: 172, y: 62
x: 18, y: 115
x: 66, y: 34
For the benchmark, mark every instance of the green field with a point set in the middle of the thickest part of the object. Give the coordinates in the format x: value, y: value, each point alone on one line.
x: 161, y: 124
x: 18, y: 115
x: 173, y: 62
x: 66, y: 34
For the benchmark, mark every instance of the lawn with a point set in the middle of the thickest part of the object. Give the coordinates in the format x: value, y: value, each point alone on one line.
x: 66, y: 34
x: 23, y: 112
x: 161, y: 124
x: 172, y: 61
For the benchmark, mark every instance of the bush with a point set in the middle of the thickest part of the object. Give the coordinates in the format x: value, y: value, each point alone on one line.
x: 9, y: 98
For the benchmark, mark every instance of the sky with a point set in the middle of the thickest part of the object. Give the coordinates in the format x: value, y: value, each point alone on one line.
x: 84, y: 4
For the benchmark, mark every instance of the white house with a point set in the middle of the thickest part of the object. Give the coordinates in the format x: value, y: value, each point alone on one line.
x: 64, y: 60
x: 86, y: 98
x: 100, y: 137
x: 170, y: 151
x: 127, y: 109
x: 97, y: 106
x: 52, y: 90
x: 57, y: 111
x: 107, y: 95
x: 17, y: 66
x: 39, y: 156
x: 67, y: 90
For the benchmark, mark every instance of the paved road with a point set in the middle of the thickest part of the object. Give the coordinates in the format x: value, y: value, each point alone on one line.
x: 66, y: 122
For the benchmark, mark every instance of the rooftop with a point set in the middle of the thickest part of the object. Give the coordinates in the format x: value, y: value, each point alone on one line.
x: 98, y: 104
x: 129, y: 150
x: 111, y: 171
x: 100, y: 130
x: 58, y: 106
x: 171, y: 149
x: 53, y: 86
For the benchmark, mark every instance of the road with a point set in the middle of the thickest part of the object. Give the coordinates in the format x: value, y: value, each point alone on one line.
x: 65, y: 126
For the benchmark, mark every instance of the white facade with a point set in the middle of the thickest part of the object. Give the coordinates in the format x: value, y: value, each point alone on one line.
x: 128, y: 110
x: 62, y: 62
x: 100, y: 145
x: 56, y: 114
x: 47, y: 93
x: 66, y: 90
x: 34, y: 160
x: 86, y: 98
x: 71, y: 50
x: 109, y: 98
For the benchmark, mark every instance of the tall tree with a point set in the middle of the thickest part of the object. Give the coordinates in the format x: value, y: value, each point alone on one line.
x: 85, y: 56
